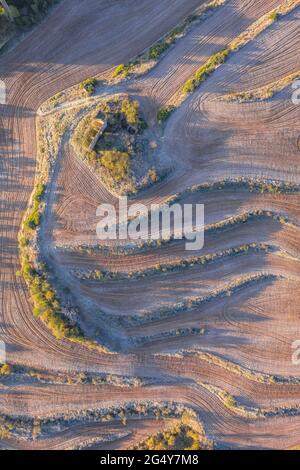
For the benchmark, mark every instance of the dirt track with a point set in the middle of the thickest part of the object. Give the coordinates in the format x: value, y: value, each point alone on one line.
x: 209, y: 140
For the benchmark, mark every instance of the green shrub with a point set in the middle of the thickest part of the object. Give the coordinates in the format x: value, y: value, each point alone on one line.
x: 89, y: 85
x: 229, y: 401
x: 161, y: 46
x: 180, y: 437
x: 164, y: 113
x: 157, y: 49
x: 117, y: 162
x: 5, y: 369
x: 34, y: 217
x: 123, y: 70
x: 130, y: 109
x: 274, y: 16
x: 39, y: 192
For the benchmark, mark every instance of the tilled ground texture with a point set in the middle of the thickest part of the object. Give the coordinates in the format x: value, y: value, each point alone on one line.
x: 210, y: 331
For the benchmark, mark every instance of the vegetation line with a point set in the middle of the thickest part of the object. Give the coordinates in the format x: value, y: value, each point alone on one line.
x: 217, y: 226
x: 221, y: 56
x: 231, y: 403
x: 250, y: 184
x: 28, y: 428
x: 154, y: 53
x: 46, y: 305
x: 98, y: 275
x: 250, y: 412
x: 192, y: 303
x: 263, y: 93
x: 237, y: 369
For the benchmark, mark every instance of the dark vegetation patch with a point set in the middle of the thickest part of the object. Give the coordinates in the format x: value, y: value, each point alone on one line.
x: 28, y: 13
x: 22, y: 16
x: 164, y: 113
x: 88, y: 85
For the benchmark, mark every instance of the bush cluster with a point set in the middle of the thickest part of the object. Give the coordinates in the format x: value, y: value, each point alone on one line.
x: 123, y: 70
x: 131, y: 111
x: 181, y: 437
x: 89, y: 85
x: 117, y: 162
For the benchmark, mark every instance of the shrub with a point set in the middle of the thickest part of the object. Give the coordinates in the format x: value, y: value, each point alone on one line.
x: 229, y: 401
x: 152, y: 175
x: 117, y: 162
x: 5, y: 369
x: 123, y: 70
x: 39, y: 192
x: 161, y: 46
x: 130, y: 109
x: 14, y: 11
x: 164, y: 113
x: 89, y: 86
x: 157, y: 49
x: 180, y: 437
x: 274, y: 16
x: 34, y: 217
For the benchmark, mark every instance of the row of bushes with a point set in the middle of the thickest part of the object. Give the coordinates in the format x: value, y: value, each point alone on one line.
x: 34, y: 217
x: 45, y: 303
x: 205, y: 70
x: 189, y: 304
x: 251, y: 185
x: 220, y: 57
x: 179, y: 332
x: 181, y: 264
x: 170, y: 38
x: 161, y: 46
